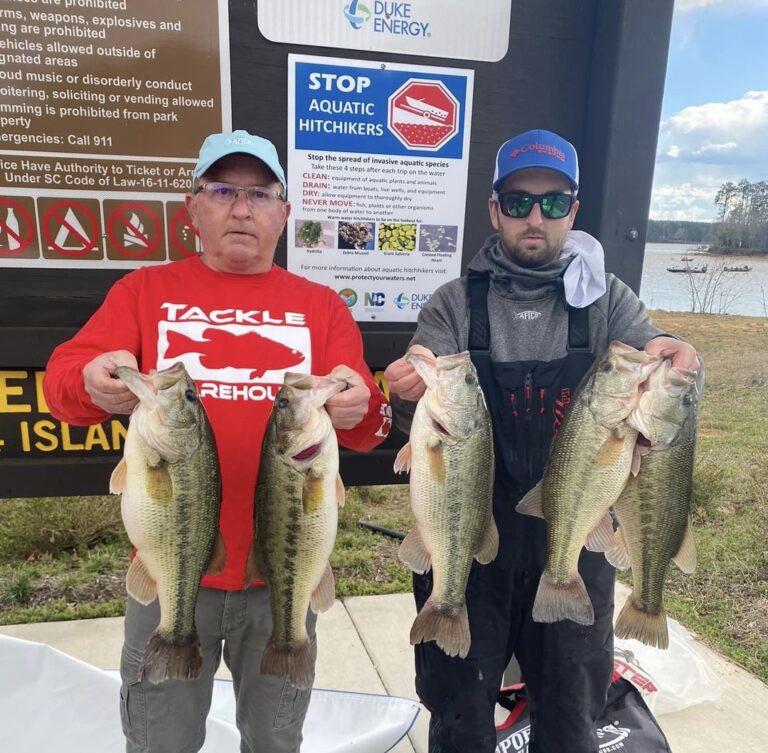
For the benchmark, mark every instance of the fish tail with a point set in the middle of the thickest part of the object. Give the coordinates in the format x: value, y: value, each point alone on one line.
x: 166, y: 659
x: 569, y: 600
x: 289, y: 659
x: 448, y: 626
x: 648, y: 627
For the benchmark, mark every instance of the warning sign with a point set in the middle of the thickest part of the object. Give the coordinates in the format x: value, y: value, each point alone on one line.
x: 423, y: 114
x: 71, y: 229
x: 183, y: 236
x: 134, y: 230
x: 17, y: 228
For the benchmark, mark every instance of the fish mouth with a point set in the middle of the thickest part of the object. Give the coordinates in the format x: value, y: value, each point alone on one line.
x: 308, y: 453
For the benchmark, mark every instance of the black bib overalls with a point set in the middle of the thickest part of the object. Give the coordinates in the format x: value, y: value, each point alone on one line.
x: 567, y: 667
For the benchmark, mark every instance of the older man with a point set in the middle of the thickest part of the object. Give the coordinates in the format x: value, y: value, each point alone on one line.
x: 534, y: 310
x: 238, y: 322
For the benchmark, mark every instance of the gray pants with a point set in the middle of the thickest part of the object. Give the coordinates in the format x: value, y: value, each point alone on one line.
x: 170, y: 717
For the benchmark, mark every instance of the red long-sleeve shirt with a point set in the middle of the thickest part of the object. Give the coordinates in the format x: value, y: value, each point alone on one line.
x: 236, y: 335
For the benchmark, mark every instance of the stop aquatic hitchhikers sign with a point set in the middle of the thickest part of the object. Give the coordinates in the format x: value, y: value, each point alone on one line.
x: 423, y: 114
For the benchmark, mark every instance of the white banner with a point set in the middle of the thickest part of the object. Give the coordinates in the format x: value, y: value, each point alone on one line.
x: 457, y: 29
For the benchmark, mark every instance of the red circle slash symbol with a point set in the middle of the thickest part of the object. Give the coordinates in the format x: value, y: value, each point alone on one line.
x: 125, y: 220
x: 17, y: 226
x: 182, y: 232
x: 69, y: 217
x: 423, y: 114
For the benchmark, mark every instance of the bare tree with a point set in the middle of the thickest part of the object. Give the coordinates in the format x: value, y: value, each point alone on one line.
x: 713, y: 291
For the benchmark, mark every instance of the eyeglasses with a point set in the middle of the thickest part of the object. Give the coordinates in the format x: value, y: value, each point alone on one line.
x: 225, y: 194
x: 519, y: 204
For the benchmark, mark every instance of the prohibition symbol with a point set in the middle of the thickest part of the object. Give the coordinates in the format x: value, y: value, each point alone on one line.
x: 70, y: 228
x: 184, y: 235
x: 17, y: 228
x: 130, y: 235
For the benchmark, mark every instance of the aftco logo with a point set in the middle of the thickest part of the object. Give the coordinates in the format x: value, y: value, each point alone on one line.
x: 375, y: 299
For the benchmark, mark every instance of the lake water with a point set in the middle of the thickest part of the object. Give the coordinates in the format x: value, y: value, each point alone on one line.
x: 738, y: 292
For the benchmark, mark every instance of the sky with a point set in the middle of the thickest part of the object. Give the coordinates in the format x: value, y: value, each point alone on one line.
x: 714, y: 124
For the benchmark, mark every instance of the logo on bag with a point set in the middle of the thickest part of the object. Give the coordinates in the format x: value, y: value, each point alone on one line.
x: 614, y: 735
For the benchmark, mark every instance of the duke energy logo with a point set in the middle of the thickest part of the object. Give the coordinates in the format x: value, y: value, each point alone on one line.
x: 357, y: 14
x: 413, y: 301
x: 349, y: 297
x: 388, y: 18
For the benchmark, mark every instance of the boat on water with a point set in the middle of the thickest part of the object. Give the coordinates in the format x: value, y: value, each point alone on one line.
x: 739, y: 268
x: 686, y: 258
x: 687, y: 268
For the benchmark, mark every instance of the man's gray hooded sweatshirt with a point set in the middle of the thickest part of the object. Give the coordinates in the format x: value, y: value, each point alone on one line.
x: 528, y: 312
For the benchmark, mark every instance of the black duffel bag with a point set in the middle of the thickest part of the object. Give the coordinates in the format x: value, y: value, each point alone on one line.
x: 626, y: 725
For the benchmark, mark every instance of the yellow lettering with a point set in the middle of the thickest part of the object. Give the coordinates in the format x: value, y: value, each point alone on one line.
x: 6, y: 391
x: 25, y: 443
x: 96, y: 436
x: 118, y: 434
x: 381, y: 380
x: 45, y: 430
x: 42, y: 405
x: 66, y: 439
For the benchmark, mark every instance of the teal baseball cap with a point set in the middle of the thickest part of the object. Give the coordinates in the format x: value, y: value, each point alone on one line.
x: 219, y: 145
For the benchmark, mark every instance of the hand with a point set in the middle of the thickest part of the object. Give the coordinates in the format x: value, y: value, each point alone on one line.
x: 107, y: 392
x: 404, y: 381
x: 348, y: 408
x: 682, y: 354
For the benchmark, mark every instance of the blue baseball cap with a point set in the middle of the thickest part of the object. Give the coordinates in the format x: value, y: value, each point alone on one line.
x: 219, y: 145
x: 537, y: 148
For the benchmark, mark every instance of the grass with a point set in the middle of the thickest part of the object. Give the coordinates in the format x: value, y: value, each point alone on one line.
x: 66, y: 559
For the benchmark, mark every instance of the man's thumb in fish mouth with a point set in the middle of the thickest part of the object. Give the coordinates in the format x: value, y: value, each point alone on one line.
x: 342, y: 371
x: 117, y: 358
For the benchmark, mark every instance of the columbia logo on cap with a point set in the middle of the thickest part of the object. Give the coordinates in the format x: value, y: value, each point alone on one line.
x: 541, y: 149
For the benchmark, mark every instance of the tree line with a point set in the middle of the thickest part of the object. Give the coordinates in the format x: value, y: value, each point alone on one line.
x: 741, y: 226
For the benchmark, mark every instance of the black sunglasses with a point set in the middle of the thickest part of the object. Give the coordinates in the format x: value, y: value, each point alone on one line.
x: 519, y: 204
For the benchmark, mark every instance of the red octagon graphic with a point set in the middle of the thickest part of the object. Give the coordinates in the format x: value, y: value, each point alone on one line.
x: 423, y: 114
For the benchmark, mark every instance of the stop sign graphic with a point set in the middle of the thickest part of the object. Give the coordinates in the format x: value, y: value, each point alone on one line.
x: 423, y: 114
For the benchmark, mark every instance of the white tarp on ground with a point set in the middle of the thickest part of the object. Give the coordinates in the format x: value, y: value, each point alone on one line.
x: 49, y: 697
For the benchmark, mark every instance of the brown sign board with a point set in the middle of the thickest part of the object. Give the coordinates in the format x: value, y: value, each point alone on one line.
x: 102, y: 112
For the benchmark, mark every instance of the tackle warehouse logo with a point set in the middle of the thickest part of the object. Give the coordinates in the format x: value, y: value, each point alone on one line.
x: 388, y: 17
x: 235, y: 354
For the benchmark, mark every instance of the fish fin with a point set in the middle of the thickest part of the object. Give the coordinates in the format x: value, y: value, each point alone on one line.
x: 340, y: 492
x: 531, y: 503
x: 601, y: 538
x: 312, y: 495
x: 164, y: 660
x: 159, y: 484
x: 218, y: 556
x: 119, y: 478
x: 489, y: 544
x: 447, y: 626
x: 618, y: 554
x: 325, y: 594
x: 292, y: 660
x: 403, y: 459
x: 436, y: 462
x: 648, y: 627
x: 563, y: 601
x: 610, y: 451
x: 252, y: 569
x: 637, y: 459
x: 686, y: 557
x: 414, y: 553
x: 139, y: 583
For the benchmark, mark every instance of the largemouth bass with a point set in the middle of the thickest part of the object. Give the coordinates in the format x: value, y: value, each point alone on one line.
x: 298, y: 494
x: 169, y: 479
x: 450, y: 458
x: 589, y: 462
x: 653, y: 511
